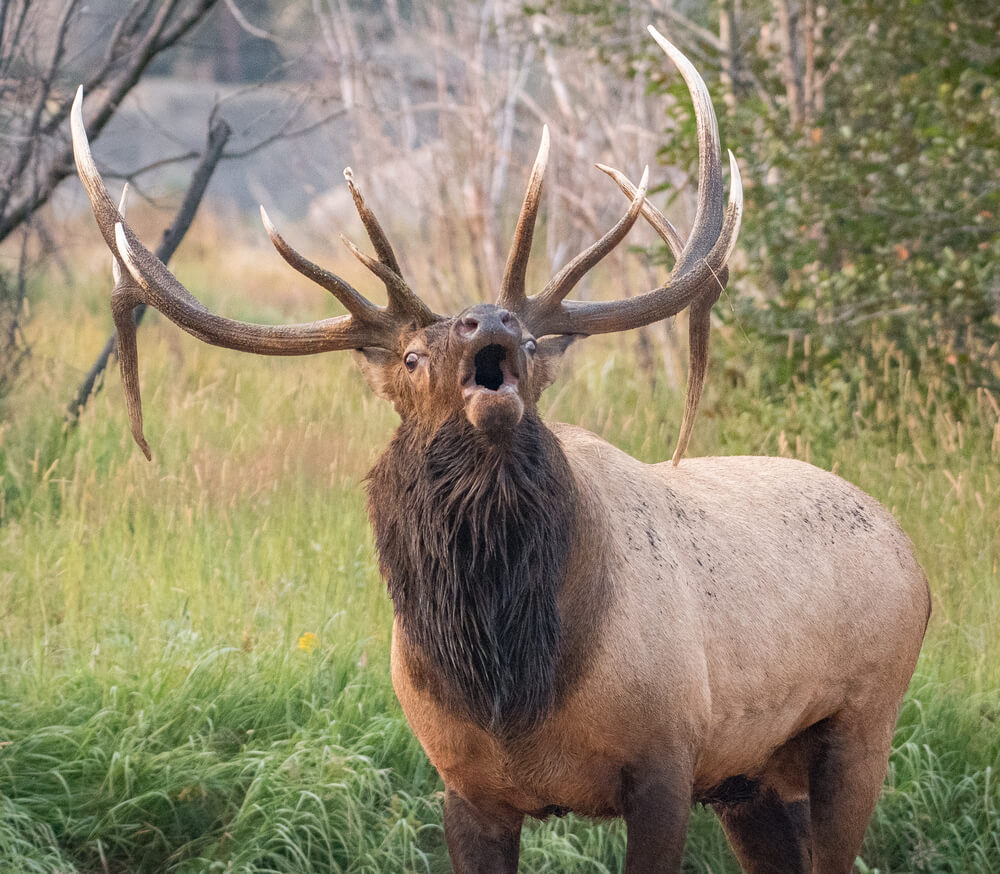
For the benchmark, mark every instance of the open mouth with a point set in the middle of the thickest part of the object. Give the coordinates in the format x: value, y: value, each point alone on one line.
x: 493, y: 403
x: 491, y: 370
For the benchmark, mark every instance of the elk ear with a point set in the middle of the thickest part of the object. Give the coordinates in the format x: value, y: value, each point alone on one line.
x: 378, y: 367
x: 548, y: 356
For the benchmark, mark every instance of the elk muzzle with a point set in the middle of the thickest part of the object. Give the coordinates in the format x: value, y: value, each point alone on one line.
x: 491, y: 367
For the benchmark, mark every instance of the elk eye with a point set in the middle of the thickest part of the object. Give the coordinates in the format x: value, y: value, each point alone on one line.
x: 530, y: 347
x: 411, y: 361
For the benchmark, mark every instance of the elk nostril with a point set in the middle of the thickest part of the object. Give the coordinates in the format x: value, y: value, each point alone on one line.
x: 469, y: 324
x: 505, y: 318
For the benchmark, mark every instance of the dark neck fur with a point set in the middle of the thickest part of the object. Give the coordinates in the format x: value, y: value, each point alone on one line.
x: 473, y: 540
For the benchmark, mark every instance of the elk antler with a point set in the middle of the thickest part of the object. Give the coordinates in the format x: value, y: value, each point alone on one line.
x: 512, y: 294
x: 146, y: 279
x: 697, y: 279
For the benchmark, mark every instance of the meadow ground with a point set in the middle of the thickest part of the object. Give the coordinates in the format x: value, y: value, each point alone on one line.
x: 194, y: 651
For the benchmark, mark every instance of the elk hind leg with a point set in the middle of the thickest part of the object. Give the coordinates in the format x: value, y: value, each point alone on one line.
x: 768, y: 835
x: 770, y: 831
x: 845, y: 780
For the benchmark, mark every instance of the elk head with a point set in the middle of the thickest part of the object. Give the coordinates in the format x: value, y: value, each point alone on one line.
x: 489, y: 363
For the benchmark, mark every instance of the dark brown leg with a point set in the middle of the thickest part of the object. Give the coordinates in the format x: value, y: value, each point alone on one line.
x: 844, y: 785
x: 769, y: 836
x: 657, y: 808
x: 479, y: 843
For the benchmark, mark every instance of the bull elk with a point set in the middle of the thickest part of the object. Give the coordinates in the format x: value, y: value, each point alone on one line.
x: 575, y: 630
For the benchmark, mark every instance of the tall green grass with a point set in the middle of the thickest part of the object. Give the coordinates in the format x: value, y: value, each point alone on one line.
x: 194, y: 651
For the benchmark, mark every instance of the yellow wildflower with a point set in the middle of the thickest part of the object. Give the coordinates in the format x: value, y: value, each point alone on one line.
x: 308, y: 642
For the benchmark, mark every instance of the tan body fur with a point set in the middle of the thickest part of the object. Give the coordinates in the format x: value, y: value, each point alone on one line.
x: 738, y: 601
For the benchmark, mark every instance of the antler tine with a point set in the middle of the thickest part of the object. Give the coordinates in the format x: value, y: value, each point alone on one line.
x: 699, y: 329
x: 123, y: 303
x: 375, y: 233
x: 145, y: 279
x: 723, y: 249
x: 566, y: 279
x: 116, y: 267
x: 100, y: 201
x: 657, y: 220
x: 512, y: 289
x: 355, y: 302
x: 394, y: 283
x: 700, y: 317
x: 708, y: 215
x: 402, y: 299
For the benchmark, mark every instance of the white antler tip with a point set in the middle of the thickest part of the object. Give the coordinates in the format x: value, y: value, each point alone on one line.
x: 124, y: 249
x: 664, y: 43
x: 735, y: 179
x: 266, y: 221
x: 123, y: 201
x: 734, y: 168
x: 675, y: 54
x: 542, y: 158
x: 76, y: 118
x: 349, y: 175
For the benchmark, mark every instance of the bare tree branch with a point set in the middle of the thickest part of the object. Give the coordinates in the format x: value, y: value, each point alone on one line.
x: 285, y: 134
x: 30, y: 141
x: 130, y: 175
x: 113, y: 80
x: 809, y: 74
x: 790, y: 69
x: 241, y: 20
x: 704, y: 35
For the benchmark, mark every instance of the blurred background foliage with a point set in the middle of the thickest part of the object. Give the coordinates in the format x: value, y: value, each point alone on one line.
x: 867, y: 136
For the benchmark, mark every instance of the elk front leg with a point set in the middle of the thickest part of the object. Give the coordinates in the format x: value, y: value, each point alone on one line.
x: 479, y: 842
x: 657, y: 806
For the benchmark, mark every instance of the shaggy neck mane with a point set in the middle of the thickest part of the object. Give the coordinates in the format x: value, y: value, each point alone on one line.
x: 473, y: 539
